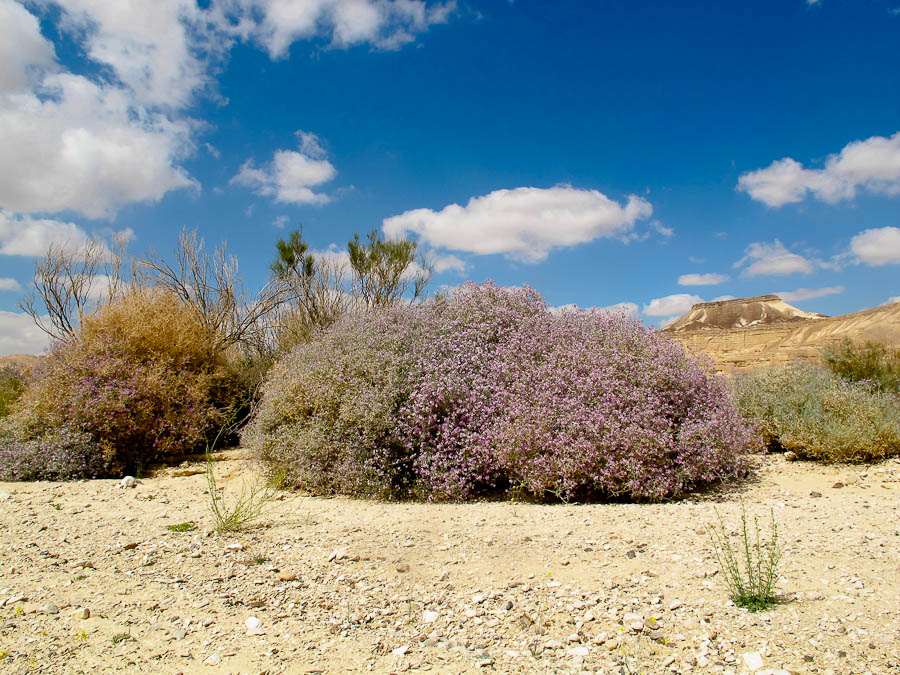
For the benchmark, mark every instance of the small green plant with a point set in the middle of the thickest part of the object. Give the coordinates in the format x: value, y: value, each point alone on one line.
x: 259, y: 560
x: 751, y: 568
x: 120, y: 637
x: 249, y: 506
x: 182, y: 527
x: 56, y: 506
x: 80, y: 577
x: 82, y: 634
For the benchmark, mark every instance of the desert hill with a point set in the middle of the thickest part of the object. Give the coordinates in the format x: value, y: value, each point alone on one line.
x: 750, y: 332
x: 740, y: 313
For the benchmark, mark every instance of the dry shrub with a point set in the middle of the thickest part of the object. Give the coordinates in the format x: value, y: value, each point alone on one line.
x: 12, y: 384
x: 819, y: 415
x: 145, y: 380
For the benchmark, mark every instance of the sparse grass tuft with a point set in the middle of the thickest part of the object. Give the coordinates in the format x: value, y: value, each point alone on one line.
x: 121, y: 637
x: 750, y: 569
x: 246, y: 509
x: 182, y: 527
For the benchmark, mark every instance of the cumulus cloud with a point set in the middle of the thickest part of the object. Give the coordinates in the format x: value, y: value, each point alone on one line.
x: 872, y: 164
x: 809, y: 293
x: 890, y: 301
x: 523, y: 223
x: 8, y: 284
x: 92, y: 144
x: 447, y: 262
x: 70, y: 143
x: 291, y: 174
x: 386, y: 24
x: 19, y: 335
x: 24, y: 235
x: 878, y: 246
x: 702, y: 279
x: 764, y: 258
x: 672, y: 305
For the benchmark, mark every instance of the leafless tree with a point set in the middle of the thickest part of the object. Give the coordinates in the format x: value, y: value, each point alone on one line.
x: 72, y: 282
x: 210, y: 284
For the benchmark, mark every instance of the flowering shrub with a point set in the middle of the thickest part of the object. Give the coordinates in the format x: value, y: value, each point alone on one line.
x: 12, y: 384
x: 61, y: 454
x: 819, y: 415
x: 486, y: 389
x: 142, y: 382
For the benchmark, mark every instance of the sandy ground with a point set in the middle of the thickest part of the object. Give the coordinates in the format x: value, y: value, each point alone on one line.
x: 340, y: 585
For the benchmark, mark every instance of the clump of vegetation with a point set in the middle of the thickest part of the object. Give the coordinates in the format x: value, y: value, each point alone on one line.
x: 871, y: 362
x: 485, y: 389
x: 820, y: 415
x: 246, y: 509
x: 12, y: 384
x: 182, y: 527
x: 750, y: 568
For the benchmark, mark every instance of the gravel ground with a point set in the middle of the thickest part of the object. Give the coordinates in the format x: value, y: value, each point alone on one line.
x: 92, y: 579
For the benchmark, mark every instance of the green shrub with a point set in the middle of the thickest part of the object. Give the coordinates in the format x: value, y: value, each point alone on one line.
x: 820, y: 415
x: 12, y: 384
x: 871, y: 362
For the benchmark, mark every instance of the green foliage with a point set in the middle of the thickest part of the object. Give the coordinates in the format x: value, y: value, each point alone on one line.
x: 293, y: 257
x: 121, y: 637
x: 750, y: 569
x: 381, y: 269
x: 12, y: 384
x: 249, y: 506
x: 182, y: 527
x: 820, y: 415
x: 872, y: 362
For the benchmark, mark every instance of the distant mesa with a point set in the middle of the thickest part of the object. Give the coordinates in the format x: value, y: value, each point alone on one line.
x: 764, y: 330
x: 759, y: 310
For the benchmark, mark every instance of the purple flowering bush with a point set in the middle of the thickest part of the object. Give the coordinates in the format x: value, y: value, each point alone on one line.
x: 140, y: 384
x: 486, y: 390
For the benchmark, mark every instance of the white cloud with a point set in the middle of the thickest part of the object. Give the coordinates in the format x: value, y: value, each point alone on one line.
x: 523, y: 223
x: 772, y: 259
x: 24, y: 235
x: 447, y: 262
x: 872, y: 164
x: 702, y: 279
x: 672, y: 305
x: 878, y: 246
x: 890, y: 301
x: 70, y: 143
x: 386, y: 24
x: 291, y: 175
x: 809, y: 293
x: 19, y: 335
x: 8, y: 284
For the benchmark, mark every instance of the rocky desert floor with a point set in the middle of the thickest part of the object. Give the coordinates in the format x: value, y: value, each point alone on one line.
x: 93, y: 580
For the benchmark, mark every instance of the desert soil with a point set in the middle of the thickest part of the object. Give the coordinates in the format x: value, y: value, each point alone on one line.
x: 343, y: 585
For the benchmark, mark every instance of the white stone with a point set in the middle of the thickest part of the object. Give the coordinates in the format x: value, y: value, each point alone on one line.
x: 400, y: 651
x: 430, y: 617
x: 252, y: 623
x: 213, y: 660
x: 751, y: 661
x: 578, y: 651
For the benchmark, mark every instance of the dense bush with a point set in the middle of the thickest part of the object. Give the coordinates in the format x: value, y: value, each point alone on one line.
x: 60, y: 454
x: 871, y: 362
x: 820, y: 415
x: 143, y: 381
x: 12, y: 384
x: 486, y: 390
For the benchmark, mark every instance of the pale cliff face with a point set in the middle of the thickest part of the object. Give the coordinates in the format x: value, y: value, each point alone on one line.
x: 740, y: 313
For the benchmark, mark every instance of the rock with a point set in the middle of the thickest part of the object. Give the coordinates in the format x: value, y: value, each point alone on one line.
x: 50, y: 609
x: 430, y: 617
x: 772, y: 671
x: 337, y: 554
x: 553, y: 644
x: 400, y: 651
x: 815, y: 494
x: 631, y: 554
x: 83, y: 613
x: 234, y: 547
x: 676, y: 604
x: 838, y: 485
x: 212, y: 660
x: 14, y: 599
x: 287, y: 576
x: 790, y: 456
x: 129, y: 546
x: 751, y: 662
x: 252, y: 623
x: 577, y: 651
x: 402, y: 567
x: 128, y: 482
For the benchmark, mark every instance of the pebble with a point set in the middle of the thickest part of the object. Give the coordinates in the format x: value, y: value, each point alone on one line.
x: 400, y: 651
x: 128, y: 482
x: 429, y: 616
x: 213, y: 660
x: 82, y: 613
x: 790, y: 456
x: 50, y: 609
x: 287, y: 576
x: 751, y: 661
x: 252, y: 623
x: 402, y: 567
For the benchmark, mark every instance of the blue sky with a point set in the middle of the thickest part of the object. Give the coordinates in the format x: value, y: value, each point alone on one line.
x: 649, y: 153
